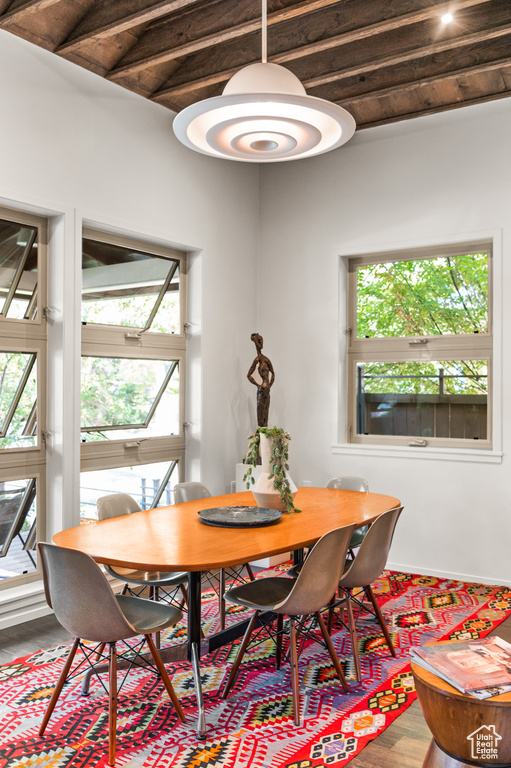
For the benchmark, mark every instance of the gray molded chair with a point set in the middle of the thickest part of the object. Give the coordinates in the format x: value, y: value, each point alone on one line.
x: 115, y: 505
x: 361, y: 572
x: 301, y: 597
x: 352, y: 483
x: 84, y: 604
x: 346, y: 483
x: 190, y: 491
x: 193, y: 491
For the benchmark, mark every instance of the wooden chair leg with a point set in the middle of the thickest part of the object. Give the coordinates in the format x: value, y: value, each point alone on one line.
x: 331, y: 615
x: 99, y: 652
x: 295, y: 685
x: 353, y: 635
x: 221, y: 598
x: 250, y: 572
x: 240, y: 654
x: 184, y: 592
x: 112, y: 703
x: 60, y: 684
x: 331, y: 651
x: 381, y: 620
x: 278, y: 650
x: 166, y: 679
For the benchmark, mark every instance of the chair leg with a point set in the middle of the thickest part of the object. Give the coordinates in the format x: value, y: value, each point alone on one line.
x: 278, y: 650
x: 99, y: 652
x: 58, y: 688
x: 154, y: 594
x: 112, y: 703
x: 221, y: 598
x: 331, y: 651
x: 381, y: 620
x: 353, y: 635
x: 295, y: 685
x: 250, y: 572
x: 184, y: 592
x: 331, y: 614
x: 240, y: 654
x: 164, y: 676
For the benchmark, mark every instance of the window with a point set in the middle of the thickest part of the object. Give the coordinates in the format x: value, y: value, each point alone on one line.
x: 132, y: 372
x: 419, y: 353
x: 23, y: 264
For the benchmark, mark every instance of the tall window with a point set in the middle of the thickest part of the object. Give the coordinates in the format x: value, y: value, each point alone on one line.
x: 23, y: 264
x: 133, y: 352
x: 420, y: 347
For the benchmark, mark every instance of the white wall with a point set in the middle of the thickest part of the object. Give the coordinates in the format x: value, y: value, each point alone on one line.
x: 84, y: 149
x: 432, y: 178
x: 81, y: 148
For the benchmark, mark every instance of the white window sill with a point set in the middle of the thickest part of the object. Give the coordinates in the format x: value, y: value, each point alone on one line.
x: 426, y: 453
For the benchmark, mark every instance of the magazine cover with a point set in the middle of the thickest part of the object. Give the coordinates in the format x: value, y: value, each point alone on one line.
x: 471, y: 665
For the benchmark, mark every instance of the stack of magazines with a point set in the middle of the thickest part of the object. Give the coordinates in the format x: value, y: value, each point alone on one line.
x: 481, y: 668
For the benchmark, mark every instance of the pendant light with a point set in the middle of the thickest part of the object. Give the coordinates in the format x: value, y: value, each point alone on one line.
x: 263, y: 116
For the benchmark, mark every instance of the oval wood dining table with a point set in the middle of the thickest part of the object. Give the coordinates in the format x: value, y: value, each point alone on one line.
x: 173, y: 538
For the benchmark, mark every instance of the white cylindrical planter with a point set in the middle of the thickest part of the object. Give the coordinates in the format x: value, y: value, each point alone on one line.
x: 263, y: 490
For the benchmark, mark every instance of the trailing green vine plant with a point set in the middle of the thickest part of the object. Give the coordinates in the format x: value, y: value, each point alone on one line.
x: 279, y: 441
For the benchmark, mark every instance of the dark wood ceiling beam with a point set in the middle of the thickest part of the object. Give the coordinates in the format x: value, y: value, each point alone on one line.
x: 404, y: 88
x: 164, y: 54
x: 306, y: 51
x: 27, y: 9
x: 416, y: 71
x: 112, y: 18
x: 389, y: 25
x: 407, y: 56
x: 432, y: 110
x: 44, y: 22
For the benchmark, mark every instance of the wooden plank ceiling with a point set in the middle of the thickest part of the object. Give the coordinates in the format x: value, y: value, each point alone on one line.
x: 383, y: 60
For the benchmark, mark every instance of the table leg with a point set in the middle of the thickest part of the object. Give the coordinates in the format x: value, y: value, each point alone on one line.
x: 201, y: 717
x: 297, y: 556
x: 194, y: 644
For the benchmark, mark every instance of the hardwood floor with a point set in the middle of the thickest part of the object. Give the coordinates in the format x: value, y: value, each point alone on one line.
x: 404, y: 743
x: 31, y: 637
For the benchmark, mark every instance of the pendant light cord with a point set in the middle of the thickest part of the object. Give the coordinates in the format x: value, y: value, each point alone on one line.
x: 264, y: 25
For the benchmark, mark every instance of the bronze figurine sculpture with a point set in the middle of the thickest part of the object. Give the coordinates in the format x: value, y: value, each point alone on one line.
x: 266, y: 374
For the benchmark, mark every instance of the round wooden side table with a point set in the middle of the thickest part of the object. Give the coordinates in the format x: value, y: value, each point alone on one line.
x: 466, y: 731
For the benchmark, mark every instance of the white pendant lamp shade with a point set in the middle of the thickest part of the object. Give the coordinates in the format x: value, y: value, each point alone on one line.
x: 264, y: 115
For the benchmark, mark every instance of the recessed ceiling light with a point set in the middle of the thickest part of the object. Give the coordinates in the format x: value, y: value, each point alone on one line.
x: 447, y: 18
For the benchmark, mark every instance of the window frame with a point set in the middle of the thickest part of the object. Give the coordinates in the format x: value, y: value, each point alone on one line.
x: 29, y: 335
x: 413, y: 349
x: 100, y: 340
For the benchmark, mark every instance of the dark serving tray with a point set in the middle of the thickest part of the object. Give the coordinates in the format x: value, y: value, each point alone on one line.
x: 239, y: 517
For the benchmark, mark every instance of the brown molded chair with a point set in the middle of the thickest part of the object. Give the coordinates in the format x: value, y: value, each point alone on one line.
x: 193, y: 491
x: 84, y: 604
x: 361, y: 572
x: 308, y: 594
x: 135, y: 581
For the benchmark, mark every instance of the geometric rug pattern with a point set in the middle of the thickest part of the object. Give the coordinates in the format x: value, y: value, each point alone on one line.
x: 254, y: 726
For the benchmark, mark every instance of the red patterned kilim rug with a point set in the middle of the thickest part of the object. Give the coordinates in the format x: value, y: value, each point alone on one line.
x: 254, y: 726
